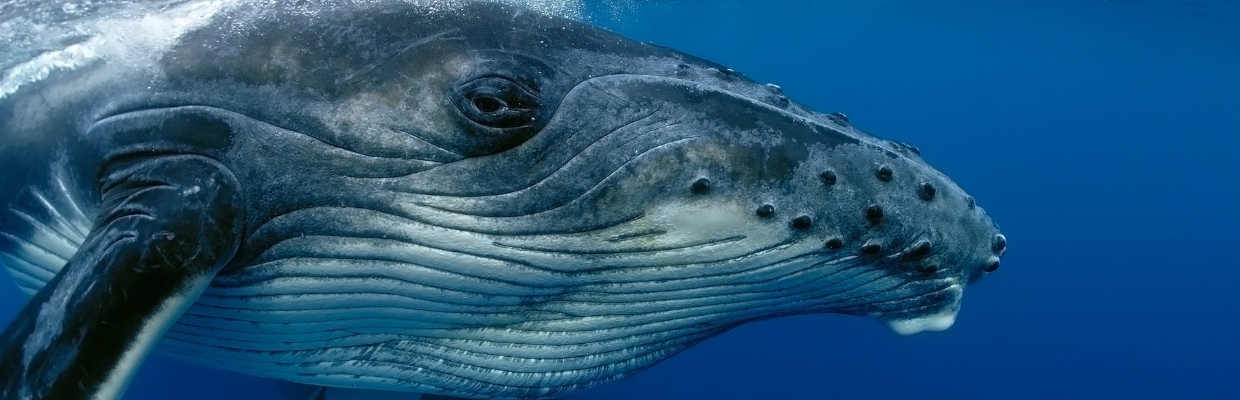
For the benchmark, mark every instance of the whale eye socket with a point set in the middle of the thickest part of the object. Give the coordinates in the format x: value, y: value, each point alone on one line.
x: 497, y: 102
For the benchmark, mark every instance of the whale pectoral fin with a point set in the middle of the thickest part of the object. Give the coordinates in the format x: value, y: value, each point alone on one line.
x: 167, y: 224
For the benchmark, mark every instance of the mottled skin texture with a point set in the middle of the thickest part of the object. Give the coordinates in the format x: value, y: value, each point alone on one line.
x: 480, y: 202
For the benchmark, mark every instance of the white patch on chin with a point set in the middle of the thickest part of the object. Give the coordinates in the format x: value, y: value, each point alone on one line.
x: 937, y: 322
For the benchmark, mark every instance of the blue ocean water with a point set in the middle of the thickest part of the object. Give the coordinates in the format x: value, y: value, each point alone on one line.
x: 1100, y: 135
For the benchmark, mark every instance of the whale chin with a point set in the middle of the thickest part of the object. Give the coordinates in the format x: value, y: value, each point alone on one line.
x: 935, y: 322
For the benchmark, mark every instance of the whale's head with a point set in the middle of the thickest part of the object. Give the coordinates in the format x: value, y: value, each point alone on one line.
x: 662, y: 178
x: 549, y: 205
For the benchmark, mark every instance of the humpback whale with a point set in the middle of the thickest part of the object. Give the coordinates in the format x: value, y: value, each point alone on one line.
x: 475, y: 201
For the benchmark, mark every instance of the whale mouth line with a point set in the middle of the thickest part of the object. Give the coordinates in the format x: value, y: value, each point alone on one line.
x: 531, y: 189
x: 699, y: 244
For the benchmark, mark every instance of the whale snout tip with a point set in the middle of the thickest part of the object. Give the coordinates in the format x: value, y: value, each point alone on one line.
x: 935, y: 323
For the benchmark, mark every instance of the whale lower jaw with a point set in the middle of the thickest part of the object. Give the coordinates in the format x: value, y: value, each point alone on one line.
x: 934, y: 322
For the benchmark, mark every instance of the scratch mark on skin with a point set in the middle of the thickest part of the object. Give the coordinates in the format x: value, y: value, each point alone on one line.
x: 354, y: 77
x: 428, y: 143
x: 635, y: 235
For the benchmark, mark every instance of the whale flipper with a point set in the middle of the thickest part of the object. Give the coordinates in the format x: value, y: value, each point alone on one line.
x: 168, y: 223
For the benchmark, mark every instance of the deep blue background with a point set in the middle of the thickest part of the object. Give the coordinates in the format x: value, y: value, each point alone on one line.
x: 1101, y: 136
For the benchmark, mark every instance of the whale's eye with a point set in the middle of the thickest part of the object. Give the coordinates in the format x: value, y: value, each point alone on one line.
x: 487, y: 104
x: 505, y: 100
x: 497, y: 102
